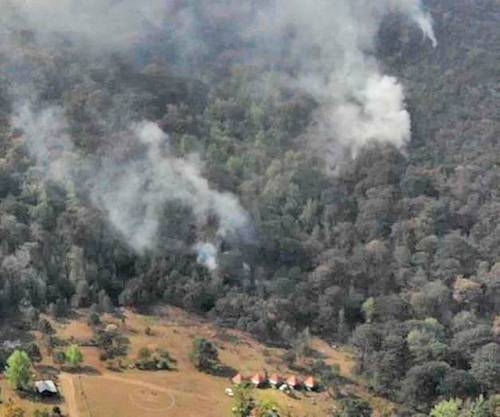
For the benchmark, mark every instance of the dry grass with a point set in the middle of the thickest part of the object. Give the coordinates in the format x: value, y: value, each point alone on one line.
x: 184, y: 392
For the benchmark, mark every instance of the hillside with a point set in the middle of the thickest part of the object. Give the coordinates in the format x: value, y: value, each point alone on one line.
x: 104, y: 388
x: 248, y: 164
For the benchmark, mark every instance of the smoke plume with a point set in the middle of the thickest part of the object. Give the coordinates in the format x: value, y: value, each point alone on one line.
x: 333, y: 45
x: 132, y: 192
x: 325, y: 48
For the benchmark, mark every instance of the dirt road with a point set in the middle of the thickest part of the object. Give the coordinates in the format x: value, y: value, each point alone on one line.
x: 69, y: 391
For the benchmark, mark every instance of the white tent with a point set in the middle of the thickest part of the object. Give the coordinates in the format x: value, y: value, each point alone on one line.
x: 46, y: 387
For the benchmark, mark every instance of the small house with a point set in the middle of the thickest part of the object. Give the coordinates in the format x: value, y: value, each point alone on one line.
x: 311, y: 383
x: 258, y: 380
x: 237, y: 379
x: 46, y: 388
x: 294, y: 382
x: 275, y: 380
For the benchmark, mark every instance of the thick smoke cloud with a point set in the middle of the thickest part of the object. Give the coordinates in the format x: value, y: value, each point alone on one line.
x: 358, y: 102
x: 328, y: 47
x: 132, y: 192
x: 331, y: 44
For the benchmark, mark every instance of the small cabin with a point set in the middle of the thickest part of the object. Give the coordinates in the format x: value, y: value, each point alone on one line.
x: 237, y: 379
x: 46, y: 388
x: 258, y: 380
x: 311, y: 383
x: 275, y: 380
x: 294, y: 382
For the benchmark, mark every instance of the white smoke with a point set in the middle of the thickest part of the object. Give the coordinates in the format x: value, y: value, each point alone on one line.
x: 131, y: 192
x: 134, y: 193
x: 358, y: 102
x: 47, y: 139
x: 329, y: 43
x: 207, y: 255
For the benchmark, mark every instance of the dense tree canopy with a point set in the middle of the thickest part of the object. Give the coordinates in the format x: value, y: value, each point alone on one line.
x: 395, y: 251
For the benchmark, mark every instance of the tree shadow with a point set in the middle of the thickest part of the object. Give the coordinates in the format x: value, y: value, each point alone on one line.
x: 223, y: 371
x: 33, y: 396
x: 87, y: 370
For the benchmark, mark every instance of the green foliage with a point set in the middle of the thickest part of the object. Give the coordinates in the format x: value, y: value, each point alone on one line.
x: 204, y: 355
x: 394, y: 252
x: 154, y: 360
x: 449, y: 408
x: 94, y: 319
x: 352, y: 407
x: 74, y: 356
x: 479, y: 407
x: 486, y: 367
x: 19, y: 370
x: 112, y: 344
x: 426, y: 341
x: 243, y: 402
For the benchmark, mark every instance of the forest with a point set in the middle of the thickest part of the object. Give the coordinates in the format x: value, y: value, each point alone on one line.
x: 147, y: 175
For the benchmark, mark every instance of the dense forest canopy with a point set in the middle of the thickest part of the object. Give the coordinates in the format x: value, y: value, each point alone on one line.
x: 276, y: 166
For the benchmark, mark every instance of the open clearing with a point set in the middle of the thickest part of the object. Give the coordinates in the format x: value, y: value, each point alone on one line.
x: 184, y: 392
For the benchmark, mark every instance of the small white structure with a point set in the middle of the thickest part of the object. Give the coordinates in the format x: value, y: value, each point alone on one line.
x: 46, y: 388
x: 111, y: 328
x: 229, y: 392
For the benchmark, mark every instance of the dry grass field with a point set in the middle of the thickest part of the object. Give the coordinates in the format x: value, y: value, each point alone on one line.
x: 184, y: 392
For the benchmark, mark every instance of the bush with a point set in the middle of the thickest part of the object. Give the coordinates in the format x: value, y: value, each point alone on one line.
x: 158, y: 360
x: 205, y: 356
x: 94, y: 319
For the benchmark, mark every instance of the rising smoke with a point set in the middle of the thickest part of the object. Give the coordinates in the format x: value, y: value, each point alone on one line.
x: 358, y: 102
x: 330, y: 44
x: 133, y: 192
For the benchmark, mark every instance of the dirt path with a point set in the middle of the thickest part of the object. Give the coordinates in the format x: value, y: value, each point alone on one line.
x: 68, y: 386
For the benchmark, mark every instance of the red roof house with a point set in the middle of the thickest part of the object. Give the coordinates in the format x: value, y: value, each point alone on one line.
x: 275, y: 380
x: 237, y: 379
x: 258, y: 379
x: 311, y: 383
x: 293, y: 381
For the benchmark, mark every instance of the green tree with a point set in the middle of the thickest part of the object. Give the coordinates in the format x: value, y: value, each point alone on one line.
x: 353, y: 407
x: 74, y: 356
x: 426, y: 341
x: 18, y: 370
x: 204, y: 355
x: 486, y: 367
x: 243, y: 401
x: 447, y: 408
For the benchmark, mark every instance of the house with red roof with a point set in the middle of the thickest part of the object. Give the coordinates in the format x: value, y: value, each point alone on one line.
x: 258, y: 380
x: 294, y: 382
x: 311, y: 383
x: 275, y: 380
x: 237, y: 379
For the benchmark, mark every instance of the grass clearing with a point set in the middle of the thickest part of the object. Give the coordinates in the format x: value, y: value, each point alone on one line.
x: 184, y: 392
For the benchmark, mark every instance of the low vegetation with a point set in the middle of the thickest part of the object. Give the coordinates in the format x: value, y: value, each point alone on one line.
x: 205, y: 356
x: 151, y: 360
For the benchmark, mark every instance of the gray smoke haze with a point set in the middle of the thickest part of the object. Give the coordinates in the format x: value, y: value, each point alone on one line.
x: 358, y: 102
x: 104, y: 24
x: 330, y: 43
x: 132, y: 192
